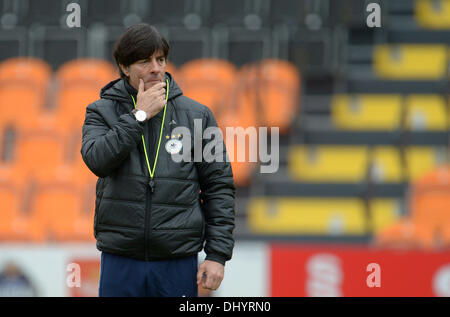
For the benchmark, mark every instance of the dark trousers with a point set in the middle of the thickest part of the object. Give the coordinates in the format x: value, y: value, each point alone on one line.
x: 124, y: 277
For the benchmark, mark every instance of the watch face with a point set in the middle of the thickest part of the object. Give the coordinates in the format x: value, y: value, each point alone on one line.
x: 141, y: 115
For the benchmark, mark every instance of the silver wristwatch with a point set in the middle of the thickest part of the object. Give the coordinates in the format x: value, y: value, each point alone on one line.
x: 140, y: 115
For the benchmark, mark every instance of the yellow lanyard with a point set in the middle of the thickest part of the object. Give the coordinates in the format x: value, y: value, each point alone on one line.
x: 152, y: 173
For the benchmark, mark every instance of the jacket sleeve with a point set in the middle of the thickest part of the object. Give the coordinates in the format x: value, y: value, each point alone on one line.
x: 104, y: 148
x: 218, y: 192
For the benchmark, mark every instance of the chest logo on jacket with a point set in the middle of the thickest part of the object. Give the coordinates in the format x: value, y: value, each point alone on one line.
x: 173, y: 145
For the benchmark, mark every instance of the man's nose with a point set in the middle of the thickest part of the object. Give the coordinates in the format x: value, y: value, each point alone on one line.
x: 155, y: 67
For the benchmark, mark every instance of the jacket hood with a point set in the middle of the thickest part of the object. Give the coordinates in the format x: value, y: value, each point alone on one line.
x: 116, y: 90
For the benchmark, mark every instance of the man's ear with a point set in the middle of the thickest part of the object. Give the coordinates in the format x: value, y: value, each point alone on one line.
x: 125, y: 70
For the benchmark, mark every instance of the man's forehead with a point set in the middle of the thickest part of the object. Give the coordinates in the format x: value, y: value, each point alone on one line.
x: 157, y: 53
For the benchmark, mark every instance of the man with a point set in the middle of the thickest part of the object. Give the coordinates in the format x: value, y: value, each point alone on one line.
x: 153, y: 214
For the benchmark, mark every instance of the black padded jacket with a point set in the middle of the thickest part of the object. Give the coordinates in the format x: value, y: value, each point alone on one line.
x: 192, y: 203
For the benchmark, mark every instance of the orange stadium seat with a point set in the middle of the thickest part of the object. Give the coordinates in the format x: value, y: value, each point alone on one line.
x: 24, y: 84
x: 86, y: 70
x: 276, y: 84
x: 28, y: 70
x: 15, y: 223
x: 72, y: 102
x: 242, y: 171
x: 79, y: 83
x: 172, y: 69
x: 20, y: 96
x: 60, y: 205
x: 37, y: 152
x: 208, y: 81
x: 429, y: 220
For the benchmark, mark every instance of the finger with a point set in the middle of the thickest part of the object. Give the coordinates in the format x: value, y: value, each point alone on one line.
x: 200, y: 273
x: 141, y: 86
x: 210, y: 282
x: 158, y: 86
x: 162, y: 92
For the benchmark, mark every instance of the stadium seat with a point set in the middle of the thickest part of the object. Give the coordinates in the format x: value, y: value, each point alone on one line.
x: 239, y: 115
x: 72, y: 102
x: 27, y: 98
x: 24, y: 84
x: 60, y: 205
x: 405, y: 234
x: 366, y: 112
x: 384, y: 212
x: 12, y: 173
x: 47, y: 12
x: 328, y: 163
x: 430, y: 198
x: 241, y: 45
x: 190, y: 14
x: 386, y: 163
x: 292, y: 13
x: 422, y: 159
x: 426, y: 113
x: 38, y: 152
x: 307, y: 216
x: 432, y: 14
x: 239, y: 13
x: 208, y: 81
x: 406, y: 61
x: 172, y: 69
x: 428, y: 222
x: 79, y: 84
x: 110, y: 12
x: 188, y: 44
x: 56, y: 44
x: 276, y: 85
x: 13, y: 41
x: 17, y: 224
x: 87, y: 71
x: 26, y: 69
x: 242, y: 170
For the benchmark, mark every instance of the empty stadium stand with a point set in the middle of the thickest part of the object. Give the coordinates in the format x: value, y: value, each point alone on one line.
x: 363, y: 113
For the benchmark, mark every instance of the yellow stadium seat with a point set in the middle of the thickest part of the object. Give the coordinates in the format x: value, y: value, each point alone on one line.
x: 386, y: 165
x: 432, y: 14
x: 384, y: 212
x: 423, y: 159
x: 307, y: 216
x: 426, y: 112
x: 328, y: 163
x: 366, y: 112
x: 411, y: 61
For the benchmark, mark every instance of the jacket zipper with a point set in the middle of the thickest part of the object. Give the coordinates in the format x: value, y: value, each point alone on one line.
x: 147, y: 221
x: 147, y: 227
x: 151, y: 188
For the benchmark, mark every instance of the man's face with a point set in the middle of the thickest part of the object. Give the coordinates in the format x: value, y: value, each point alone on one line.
x: 152, y: 70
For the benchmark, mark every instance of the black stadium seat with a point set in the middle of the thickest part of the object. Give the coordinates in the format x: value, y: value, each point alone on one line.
x: 57, y: 45
x: 187, y: 45
x: 240, y: 45
x: 12, y: 43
